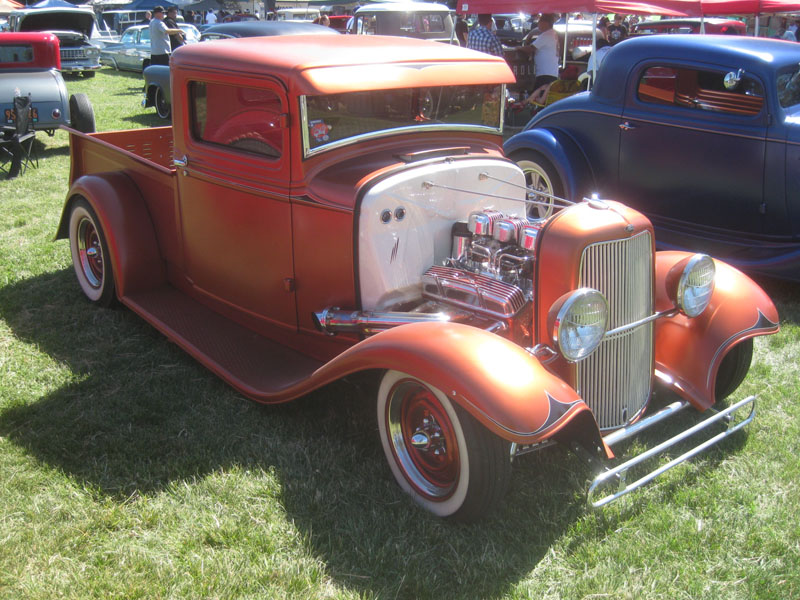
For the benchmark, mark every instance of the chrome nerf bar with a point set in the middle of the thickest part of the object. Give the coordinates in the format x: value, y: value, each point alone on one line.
x: 618, y: 473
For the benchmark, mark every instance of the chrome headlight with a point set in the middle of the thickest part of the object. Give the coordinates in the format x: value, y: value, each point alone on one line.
x: 580, y: 323
x: 695, y: 285
x: 92, y: 52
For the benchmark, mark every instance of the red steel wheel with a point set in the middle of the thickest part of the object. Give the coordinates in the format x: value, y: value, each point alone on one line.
x: 90, y: 256
x: 438, y: 453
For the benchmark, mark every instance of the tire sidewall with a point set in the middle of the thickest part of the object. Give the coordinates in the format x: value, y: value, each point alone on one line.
x: 104, y: 294
x: 159, y: 95
x: 530, y: 160
x: 455, y: 500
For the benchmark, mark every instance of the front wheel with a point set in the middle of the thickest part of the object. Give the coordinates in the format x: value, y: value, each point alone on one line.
x: 542, y: 181
x: 439, y: 454
x: 733, y: 369
x: 90, y: 256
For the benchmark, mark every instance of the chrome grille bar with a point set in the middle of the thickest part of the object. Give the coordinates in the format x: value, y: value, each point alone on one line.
x: 615, y: 380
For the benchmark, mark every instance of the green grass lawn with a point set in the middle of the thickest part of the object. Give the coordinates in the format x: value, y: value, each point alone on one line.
x: 129, y: 471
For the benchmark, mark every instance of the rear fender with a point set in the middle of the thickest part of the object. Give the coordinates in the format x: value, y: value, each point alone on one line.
x: 156, y: 76
x: 689, y: 351
x: 562, y: 152
x: 495, y: 380
x: 130, y: 236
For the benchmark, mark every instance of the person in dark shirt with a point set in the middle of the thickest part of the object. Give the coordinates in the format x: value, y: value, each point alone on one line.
x: 617, y: 30
x: 462, y: 31
x: 171, y: 21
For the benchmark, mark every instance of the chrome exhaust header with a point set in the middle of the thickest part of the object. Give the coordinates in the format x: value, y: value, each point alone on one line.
x: 333, y: 320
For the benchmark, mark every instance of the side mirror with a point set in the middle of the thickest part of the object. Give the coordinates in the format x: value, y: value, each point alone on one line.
x: 732, y: 79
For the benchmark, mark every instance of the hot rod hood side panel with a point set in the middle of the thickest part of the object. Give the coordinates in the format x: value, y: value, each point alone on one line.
x: 689, y: 351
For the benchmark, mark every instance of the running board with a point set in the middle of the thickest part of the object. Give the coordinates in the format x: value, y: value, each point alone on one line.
x: 617, y: 475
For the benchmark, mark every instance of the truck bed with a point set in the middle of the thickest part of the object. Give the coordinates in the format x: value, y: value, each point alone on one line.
x: 119, y: 150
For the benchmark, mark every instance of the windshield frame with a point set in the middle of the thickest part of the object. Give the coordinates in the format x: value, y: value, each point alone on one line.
x: 308, y: 151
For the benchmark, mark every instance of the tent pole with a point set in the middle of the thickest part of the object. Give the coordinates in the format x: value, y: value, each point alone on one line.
x: 566, y: 40
x: 594, y: 51
x: 755, y: 31
x: 702, y: 24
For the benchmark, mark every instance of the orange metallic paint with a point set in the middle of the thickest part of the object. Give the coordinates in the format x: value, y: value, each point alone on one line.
x: 689, y: 351
x: 559, y: 259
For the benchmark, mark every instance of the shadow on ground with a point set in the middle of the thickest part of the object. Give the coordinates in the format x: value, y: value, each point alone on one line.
x: 139, y: 415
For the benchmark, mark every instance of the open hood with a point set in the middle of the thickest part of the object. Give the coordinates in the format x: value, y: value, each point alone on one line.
x: 58, y: 20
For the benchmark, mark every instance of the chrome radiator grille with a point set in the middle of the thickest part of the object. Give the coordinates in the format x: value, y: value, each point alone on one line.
x: 615, y: 380
x: 72, y: 53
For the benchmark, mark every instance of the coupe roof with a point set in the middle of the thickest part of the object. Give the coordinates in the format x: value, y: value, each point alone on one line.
x: 336, y: 64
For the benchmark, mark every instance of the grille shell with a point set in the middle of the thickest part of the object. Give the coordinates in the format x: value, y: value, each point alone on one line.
x: 616, y: 380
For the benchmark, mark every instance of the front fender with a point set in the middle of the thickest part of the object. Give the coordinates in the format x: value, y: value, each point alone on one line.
x: 129, y: 232
x: 498, y: 382
x: 562, y: 152
x: 689, y: 351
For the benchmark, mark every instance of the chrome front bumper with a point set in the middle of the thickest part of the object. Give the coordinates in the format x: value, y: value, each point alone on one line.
x: 613, y: 482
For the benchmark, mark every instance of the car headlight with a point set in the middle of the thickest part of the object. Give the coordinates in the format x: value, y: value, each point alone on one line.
x: 92, y: 52
x: 695, y: 284
x: 579, y: 322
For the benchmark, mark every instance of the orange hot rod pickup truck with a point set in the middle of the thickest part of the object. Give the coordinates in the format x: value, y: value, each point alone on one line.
x: 329, y: 205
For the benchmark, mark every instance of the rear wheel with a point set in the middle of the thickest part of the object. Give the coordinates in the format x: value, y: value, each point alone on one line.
x: 90, y: 256
x: 542, y: 181
x: 733, y: 369
x: 439, y: 454
x: 163, y: 108
x: 81, y: 113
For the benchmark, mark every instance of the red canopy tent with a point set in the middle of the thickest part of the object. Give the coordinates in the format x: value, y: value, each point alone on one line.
x: 678, y: 8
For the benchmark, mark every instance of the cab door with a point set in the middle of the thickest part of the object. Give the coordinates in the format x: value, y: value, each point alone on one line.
x: 692, y: 151
x: 232, y: 152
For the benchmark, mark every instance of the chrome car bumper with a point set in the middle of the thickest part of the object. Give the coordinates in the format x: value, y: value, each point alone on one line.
x: 614, y: 480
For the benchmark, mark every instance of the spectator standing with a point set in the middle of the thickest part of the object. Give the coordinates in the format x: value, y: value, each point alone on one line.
x: 462, y: 31
x: 617, y: 31
x: 211, y: 18
x: 171, y: 21
x: 482, y: 39
x: 545, y: 52
x: 160, y: 48
x: 148, y: 16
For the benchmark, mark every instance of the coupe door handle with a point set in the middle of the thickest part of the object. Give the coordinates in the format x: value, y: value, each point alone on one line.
x: 626, y: 126
x: 180, y: 162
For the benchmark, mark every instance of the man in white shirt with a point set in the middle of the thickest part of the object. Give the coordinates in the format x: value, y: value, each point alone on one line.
x: 211, y: 18
x: 160, y: 48
x: 545, y: 52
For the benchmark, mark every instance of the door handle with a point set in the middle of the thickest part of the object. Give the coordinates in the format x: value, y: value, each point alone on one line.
x: 626, y: 126
x: 180, y: 162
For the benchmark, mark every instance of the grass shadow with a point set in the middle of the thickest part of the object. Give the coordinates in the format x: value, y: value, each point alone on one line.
x: 138, y: 415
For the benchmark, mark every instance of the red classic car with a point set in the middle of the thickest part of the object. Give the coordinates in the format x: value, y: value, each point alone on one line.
x: 326, y: 205
x: 29, y: 65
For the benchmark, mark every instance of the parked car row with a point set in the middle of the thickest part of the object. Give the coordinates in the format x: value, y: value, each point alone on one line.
x: 132, y: 52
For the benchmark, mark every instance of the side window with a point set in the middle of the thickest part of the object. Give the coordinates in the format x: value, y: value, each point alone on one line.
x: 129, y: 37
x: 242, y: 118
x: 700, y: 90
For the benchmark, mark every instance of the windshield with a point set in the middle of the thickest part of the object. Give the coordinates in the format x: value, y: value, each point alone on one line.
x: 788, y: 83
x: 343, y: 118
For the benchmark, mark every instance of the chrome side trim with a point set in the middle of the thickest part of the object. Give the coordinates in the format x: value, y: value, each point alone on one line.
x: 618, y: 473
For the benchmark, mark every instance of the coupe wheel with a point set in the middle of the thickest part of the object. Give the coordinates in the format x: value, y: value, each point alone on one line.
x: 90, y: 256
x: 81, y: 113
x: 163, y: 107
x: 439, y: 454
x: 733, y: 369
x: 542, y: 181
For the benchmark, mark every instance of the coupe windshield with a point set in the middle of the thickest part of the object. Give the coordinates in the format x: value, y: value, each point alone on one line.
x: 788, y: 82
x: 341, y: 118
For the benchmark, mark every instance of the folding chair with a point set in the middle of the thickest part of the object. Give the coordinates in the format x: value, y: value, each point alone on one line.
x: 16, y: 145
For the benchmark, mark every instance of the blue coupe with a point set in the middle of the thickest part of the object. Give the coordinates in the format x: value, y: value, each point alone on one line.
x: 699, y: 132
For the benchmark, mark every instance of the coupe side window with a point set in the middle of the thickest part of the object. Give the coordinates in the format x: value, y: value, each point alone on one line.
x: 700, y: 90
x: 243, y: 118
